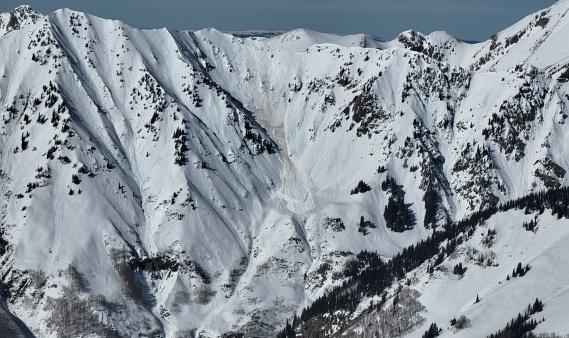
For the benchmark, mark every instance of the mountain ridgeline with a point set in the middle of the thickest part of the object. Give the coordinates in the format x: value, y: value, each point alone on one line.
x: 170, y: 183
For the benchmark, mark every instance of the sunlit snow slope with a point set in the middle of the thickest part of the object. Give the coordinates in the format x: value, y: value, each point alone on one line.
x: 179, y: 184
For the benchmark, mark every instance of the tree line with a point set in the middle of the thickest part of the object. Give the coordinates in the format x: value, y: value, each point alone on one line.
x: 373, y: 276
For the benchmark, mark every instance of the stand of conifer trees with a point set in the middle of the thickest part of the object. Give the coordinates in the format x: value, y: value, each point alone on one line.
x: 375, y: 277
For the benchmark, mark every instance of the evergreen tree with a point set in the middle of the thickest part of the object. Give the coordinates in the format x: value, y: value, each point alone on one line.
x: 370, y: 279
x: 519, y: 270
x: 537, y: 306
x: 432, y: 332
x: 459, y: 269
x: 362, y: 187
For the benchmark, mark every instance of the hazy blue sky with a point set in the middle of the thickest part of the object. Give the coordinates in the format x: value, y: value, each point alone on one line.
x: 467, y: 19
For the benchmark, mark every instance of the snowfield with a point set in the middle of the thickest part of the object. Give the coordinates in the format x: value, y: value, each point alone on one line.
x: 166, y: 183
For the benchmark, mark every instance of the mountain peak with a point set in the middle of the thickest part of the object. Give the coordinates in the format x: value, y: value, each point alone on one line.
x: 17, y: 18
x: 23, y: 8
x: 24, y: 11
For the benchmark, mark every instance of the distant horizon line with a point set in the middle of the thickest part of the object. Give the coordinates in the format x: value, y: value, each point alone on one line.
x: 261, y: 32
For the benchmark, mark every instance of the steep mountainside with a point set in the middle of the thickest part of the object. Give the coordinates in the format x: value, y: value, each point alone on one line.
x: 172, y: 183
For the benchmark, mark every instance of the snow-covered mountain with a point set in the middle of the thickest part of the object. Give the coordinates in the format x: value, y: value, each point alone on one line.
x: 169, y: 183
